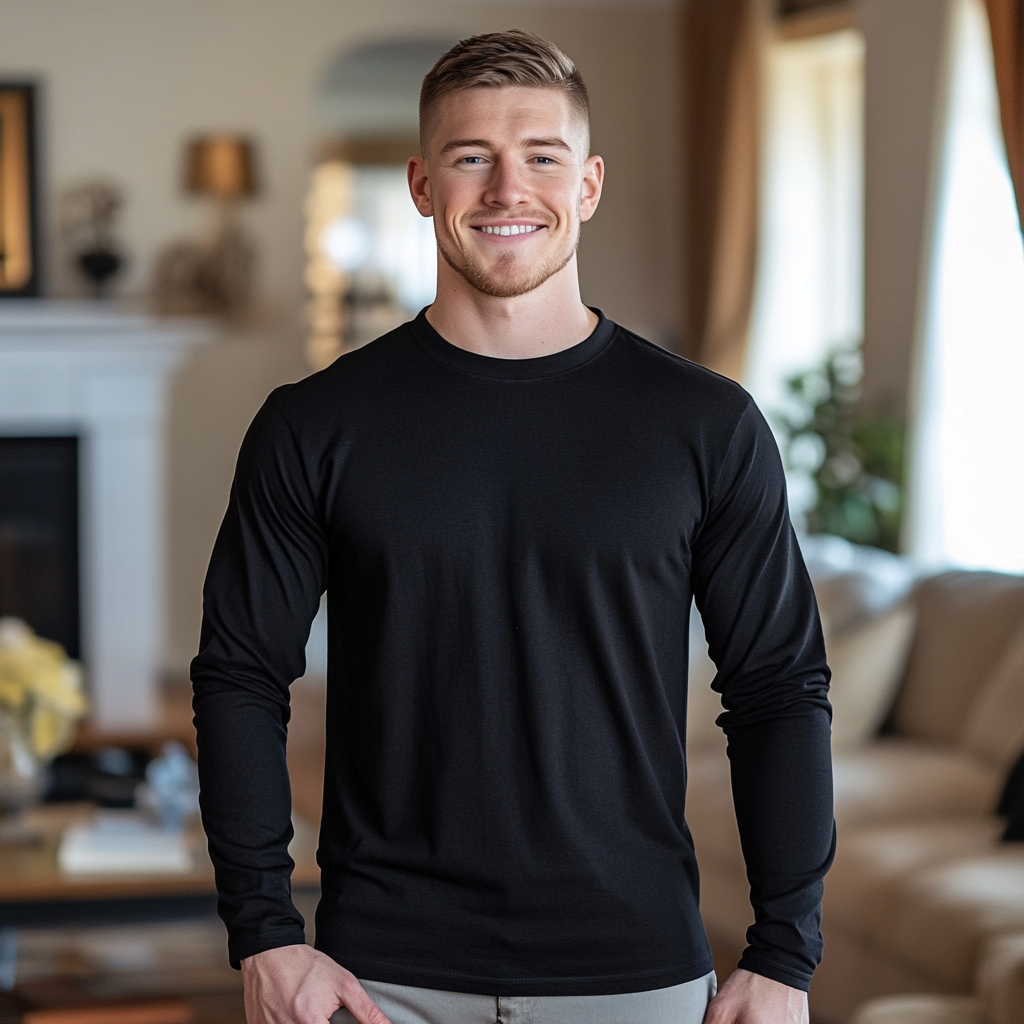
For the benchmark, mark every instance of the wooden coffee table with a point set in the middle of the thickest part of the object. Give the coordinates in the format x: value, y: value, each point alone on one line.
x: 34, y: 892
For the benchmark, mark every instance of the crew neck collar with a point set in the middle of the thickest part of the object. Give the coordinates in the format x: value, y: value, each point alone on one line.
x: 513, y: 369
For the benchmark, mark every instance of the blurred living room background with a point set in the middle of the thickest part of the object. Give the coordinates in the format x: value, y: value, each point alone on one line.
x: 819, y: 198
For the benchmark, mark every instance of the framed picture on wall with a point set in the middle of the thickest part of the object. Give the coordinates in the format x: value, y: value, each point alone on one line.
x: 19, y: 255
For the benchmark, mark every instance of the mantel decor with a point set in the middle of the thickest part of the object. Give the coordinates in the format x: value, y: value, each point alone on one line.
x: 19, y: 256
x: 89, y: 212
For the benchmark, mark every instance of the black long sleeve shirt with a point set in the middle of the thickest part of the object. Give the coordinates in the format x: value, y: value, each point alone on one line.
x: 510, y: 549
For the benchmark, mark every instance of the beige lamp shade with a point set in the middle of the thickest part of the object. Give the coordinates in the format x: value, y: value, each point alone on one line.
x: 220, y: 165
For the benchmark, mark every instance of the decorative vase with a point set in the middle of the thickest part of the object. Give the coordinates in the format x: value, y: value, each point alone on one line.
x: 21, y: 782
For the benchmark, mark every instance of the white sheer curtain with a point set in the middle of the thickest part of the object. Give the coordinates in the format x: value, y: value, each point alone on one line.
x: 968, y: 472
x: 809, y: 288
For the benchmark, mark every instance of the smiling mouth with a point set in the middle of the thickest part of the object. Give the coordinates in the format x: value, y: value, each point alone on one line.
x: 508, y: 229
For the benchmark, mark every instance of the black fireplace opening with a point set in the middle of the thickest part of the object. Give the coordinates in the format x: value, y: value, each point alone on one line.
x: 39, y: 564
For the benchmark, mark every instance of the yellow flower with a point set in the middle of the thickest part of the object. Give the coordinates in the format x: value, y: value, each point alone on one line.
x: 50, y: 732
x: 38, y: 680
x: 13, y: 691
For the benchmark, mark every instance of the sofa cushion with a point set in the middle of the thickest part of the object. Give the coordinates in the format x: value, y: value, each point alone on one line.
x: 995, y: 728
x: 922, y: 1009
x: 900, y: 779
x: 852, y: 582
x: 872, y: 861
x: 867, y: 665
x: 945, y: 914
x: 965, y: 620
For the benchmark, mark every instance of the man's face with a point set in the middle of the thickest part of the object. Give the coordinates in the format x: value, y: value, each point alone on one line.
x: 508, y: 183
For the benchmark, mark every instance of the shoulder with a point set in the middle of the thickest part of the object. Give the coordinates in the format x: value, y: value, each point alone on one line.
x: 351, y: 377
x: 695, y: 394
x: 310, y: 415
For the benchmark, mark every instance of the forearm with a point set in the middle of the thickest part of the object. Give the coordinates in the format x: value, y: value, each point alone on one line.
x: 782, y: 790
x: 246, y: 806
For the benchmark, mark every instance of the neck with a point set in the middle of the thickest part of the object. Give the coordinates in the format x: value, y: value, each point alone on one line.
x: 547, y: 320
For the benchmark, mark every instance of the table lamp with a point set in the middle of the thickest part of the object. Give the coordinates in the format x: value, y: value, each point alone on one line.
x: 221, y: 166
x: 214, y: 277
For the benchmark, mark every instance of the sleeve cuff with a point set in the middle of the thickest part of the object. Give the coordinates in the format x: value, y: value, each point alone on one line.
x: 757, y: 961
x: 240, y: 949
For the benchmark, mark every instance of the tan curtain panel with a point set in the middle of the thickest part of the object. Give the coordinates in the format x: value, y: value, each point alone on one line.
x: 720, y: 79
x: 1006, y: 19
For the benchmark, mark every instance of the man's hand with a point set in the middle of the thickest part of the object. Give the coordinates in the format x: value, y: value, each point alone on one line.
x: 748, y: 998
x: 299, y: 985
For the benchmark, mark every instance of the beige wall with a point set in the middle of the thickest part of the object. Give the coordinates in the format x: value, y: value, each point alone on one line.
x: 126, y: 81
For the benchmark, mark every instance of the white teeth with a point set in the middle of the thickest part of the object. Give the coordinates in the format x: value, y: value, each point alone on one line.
x: 515, y: 229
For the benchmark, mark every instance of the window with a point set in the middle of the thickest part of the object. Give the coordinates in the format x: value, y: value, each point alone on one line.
x: 969, y: 464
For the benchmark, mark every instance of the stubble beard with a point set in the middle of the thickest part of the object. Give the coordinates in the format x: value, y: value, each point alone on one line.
x: 501, y: 281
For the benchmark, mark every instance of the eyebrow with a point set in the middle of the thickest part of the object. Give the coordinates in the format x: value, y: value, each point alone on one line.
x: 545, y: 143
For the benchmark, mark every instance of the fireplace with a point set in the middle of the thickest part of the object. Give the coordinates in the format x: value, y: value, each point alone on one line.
x: 83, y: 389
x: 39, y: 564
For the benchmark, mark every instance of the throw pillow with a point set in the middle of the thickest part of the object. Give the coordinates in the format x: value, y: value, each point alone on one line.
x: 1011, y: 803
x: 995, y: 725
x: 867, y: 666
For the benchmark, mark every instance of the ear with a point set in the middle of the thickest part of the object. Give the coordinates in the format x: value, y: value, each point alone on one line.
x: 419, y: 186
x: 590, y: 193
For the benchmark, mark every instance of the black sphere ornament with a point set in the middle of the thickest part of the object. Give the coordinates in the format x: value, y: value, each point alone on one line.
x: 99, y: 266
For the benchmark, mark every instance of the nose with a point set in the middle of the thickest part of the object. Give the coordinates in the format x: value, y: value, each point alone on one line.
x: 507, y: 186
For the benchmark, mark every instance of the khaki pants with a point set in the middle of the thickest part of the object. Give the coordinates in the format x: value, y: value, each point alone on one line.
x: 403, y: 1004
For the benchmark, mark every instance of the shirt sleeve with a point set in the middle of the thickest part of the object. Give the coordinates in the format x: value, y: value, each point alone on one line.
x: 263, y: 587
x: 764, y: 635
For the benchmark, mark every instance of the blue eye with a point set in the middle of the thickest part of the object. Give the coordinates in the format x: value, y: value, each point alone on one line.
x: 466, y: 159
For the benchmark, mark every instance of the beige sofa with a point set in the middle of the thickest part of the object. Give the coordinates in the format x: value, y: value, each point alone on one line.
x: 921, y: 884
x: 999, y: 997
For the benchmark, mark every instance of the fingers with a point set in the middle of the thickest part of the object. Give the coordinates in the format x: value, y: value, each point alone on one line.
x: 299, y: 985
x: 359, y: 1004
x: 718, y: 1012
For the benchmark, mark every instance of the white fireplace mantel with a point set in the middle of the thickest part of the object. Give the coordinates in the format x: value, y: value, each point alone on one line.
x: 102, y: 374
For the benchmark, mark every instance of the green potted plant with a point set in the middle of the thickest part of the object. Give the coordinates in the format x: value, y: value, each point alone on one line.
x: 852, y: 456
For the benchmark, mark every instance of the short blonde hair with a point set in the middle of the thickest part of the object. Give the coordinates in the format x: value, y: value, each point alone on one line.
x: 499, y: 59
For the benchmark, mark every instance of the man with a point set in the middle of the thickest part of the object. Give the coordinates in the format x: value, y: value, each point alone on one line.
x: 511, y: 502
